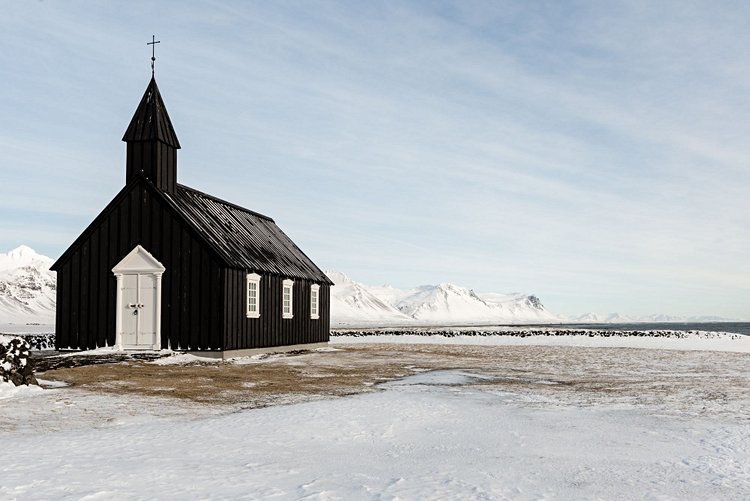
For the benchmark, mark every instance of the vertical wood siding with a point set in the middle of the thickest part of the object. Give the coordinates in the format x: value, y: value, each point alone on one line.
x: 191, y: 285
x: 156, y: 160
x: 270, y: 329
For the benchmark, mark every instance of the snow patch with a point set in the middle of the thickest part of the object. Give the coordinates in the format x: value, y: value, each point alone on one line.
x: 9, y: 390
x: 184, y: 359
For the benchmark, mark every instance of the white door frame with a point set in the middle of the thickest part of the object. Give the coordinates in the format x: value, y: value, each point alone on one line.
x: 138, y: 261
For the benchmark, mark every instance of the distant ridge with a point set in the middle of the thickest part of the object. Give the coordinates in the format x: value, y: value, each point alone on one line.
x: 355, y: 304
x: 616, y: 318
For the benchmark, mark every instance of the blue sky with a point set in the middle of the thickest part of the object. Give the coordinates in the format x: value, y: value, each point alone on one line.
x: 593, y: 153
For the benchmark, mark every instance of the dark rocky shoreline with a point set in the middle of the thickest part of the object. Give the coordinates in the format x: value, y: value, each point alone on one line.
x: 522, y: 333
x: 46, y: 341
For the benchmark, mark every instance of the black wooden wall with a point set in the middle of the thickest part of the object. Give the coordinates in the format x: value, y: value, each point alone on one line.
x: 270, y: 329
x: 191, y: 285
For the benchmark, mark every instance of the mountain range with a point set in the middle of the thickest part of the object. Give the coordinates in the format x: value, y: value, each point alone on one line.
x: 617, y: 318
x: 356, y: 304
x: 27, y: 295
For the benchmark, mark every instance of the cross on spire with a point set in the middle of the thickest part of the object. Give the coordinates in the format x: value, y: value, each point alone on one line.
x: 153, y: 43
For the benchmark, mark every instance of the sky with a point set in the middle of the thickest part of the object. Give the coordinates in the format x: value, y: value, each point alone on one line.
x: 595, y: 154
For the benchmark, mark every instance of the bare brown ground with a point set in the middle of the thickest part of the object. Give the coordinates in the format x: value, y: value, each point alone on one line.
x: 694, y: 382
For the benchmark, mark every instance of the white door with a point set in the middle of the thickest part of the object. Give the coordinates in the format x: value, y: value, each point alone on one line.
x: 138, y: 321
x: 138, y: 311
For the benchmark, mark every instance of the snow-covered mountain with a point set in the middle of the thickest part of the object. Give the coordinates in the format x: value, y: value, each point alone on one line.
x: 27, y: 287
x: 616, y: 318
x: 353, y: 304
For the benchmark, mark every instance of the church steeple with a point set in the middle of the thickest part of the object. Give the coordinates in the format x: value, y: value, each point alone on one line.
x: 152, y: 142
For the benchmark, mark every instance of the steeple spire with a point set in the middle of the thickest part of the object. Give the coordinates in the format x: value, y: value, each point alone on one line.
x: 152, y: 142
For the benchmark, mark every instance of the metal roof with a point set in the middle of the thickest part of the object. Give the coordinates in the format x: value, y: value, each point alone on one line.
x: 243, y: 238
x: 151, y: 121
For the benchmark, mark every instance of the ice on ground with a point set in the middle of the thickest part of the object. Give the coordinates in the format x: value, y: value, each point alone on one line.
x: 439, y: 378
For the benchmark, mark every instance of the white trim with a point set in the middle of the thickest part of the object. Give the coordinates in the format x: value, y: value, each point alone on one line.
x: 118, y: 314
x: 315, y: 301
x: 290, y: 285
x: 252, y: 278
x: 158, y: 311
x: 139, y: 260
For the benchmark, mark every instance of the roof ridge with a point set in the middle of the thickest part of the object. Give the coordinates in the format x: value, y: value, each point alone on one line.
x: 224, y: 202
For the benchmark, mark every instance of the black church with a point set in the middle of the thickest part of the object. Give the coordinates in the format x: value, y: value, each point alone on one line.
x: 165, y: 266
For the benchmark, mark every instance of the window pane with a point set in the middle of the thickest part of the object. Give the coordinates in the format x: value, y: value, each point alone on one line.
x: 252, y: 302
x: 253, y: 295
x: 287, y: 299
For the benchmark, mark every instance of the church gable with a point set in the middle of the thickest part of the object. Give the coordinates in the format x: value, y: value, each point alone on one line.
x: 134, y: 206
x: 139, y: 216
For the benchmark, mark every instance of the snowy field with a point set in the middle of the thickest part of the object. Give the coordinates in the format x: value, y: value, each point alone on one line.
x: 27, y: 328
x: 469, y: 422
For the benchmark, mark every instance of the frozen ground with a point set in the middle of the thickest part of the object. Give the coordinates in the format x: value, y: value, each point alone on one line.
x: 470, y: 422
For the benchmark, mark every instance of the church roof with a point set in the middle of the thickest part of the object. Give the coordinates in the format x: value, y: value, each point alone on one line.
x: 243, y: 238
x: 151, y: 121
x: 239, y: 237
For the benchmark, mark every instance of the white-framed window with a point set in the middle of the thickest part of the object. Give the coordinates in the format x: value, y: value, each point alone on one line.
x: 287, y: 296
x: 253, y: 295
x: 314, y: 301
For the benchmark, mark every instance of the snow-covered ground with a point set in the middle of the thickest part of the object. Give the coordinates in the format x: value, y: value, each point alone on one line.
x: 650, y: 424
x: 425, y: 437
